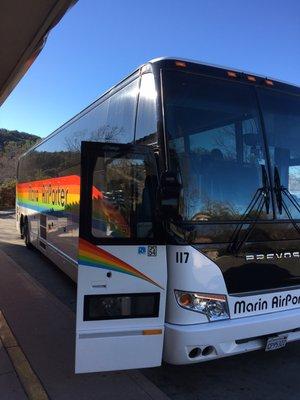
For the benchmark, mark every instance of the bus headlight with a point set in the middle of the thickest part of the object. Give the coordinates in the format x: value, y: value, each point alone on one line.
x: 214, y: 306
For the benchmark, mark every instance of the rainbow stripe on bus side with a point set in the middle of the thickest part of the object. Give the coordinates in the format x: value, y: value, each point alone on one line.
x: 90, y: 255
x: 38, y: 195
x: 62, y: 194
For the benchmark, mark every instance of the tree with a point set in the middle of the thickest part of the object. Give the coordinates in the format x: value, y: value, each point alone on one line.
x: 12, y: 145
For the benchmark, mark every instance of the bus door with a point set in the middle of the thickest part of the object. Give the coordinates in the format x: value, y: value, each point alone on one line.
x: 122, y: 268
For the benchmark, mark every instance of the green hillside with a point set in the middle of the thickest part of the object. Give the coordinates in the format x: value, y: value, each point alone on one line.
x: 12, y: 145
x: 7, y: 136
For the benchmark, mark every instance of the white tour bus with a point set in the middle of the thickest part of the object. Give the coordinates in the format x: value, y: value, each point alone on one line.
x: 173, y: 201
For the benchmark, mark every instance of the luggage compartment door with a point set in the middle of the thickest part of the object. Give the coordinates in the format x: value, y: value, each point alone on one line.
x: 122, y: 267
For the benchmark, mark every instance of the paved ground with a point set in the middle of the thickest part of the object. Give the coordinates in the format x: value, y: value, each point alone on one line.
x: 258, y: 375
x: 10, y: 386
x: 40, y: 317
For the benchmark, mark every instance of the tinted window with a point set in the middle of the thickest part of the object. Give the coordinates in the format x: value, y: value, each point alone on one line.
x: 215, y: 145
x: 146, y: 127
x: 122, y: 198
x: 281, y: 113
x: 110, y: 121
x: 221, y: 139
x: 121, y: 114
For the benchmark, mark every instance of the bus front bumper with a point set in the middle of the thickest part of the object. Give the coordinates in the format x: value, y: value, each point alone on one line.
x: 225, y: 338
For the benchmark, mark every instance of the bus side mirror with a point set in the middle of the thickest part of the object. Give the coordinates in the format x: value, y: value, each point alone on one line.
x: 170, y: 189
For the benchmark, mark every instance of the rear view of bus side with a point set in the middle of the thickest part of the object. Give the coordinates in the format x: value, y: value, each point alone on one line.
x: 173, y: 200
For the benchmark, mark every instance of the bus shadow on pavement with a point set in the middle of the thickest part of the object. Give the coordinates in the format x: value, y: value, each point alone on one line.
x: 43, y: 271
x: 245, y: 376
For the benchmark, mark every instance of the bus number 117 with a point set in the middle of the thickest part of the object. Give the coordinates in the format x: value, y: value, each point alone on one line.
x: 182, y: 257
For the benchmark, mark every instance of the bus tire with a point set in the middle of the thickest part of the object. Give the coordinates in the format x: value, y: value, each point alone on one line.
x: 26, y: 235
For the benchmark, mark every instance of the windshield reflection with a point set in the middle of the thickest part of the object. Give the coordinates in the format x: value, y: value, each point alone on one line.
x: 215, y: 145
x: 281, y: 113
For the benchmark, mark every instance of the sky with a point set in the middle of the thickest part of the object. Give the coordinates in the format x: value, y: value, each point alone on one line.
x: 99, y: 42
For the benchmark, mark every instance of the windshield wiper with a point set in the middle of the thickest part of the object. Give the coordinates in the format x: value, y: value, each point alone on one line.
x: 260, y: 200
x: 281, y: 204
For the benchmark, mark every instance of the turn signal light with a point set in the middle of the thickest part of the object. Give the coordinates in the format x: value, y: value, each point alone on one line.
x: 185, y: 299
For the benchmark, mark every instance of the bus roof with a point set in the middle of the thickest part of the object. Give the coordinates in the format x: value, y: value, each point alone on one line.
x: 170, y: 62
x: 223, y: 67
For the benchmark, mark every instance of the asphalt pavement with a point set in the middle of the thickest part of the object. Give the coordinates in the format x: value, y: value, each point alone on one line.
x: 257, y: 375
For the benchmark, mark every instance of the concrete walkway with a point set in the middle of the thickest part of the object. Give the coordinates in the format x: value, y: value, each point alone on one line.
x: 45, y: 331
x: 10, y: 386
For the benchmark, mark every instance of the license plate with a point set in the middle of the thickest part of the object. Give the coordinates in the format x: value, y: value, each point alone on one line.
x: 275, y: 343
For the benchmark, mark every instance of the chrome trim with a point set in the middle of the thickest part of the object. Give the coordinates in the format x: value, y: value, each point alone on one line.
x: 61, y: 253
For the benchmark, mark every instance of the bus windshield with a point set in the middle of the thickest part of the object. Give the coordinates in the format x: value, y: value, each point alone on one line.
x: 215, y: 145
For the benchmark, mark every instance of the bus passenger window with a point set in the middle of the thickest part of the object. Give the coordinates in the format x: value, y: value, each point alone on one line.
x: 146, y: 124
x: 121, y: 206
x: 121, y: 114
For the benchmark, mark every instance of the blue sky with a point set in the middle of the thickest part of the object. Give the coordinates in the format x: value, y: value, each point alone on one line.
x: 100, y: 41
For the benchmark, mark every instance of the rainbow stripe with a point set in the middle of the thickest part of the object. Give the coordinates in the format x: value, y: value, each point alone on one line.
x: 70, y: 184
x: 42, y: 196
x: 93, y: 256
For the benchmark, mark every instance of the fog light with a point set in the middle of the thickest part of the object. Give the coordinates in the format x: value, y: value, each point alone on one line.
x: 214, y: 306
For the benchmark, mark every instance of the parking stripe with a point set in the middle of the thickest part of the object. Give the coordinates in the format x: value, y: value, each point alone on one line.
x: 29, y: 380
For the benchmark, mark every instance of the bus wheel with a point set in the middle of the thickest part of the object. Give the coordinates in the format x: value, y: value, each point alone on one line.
x: 26, y: 235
